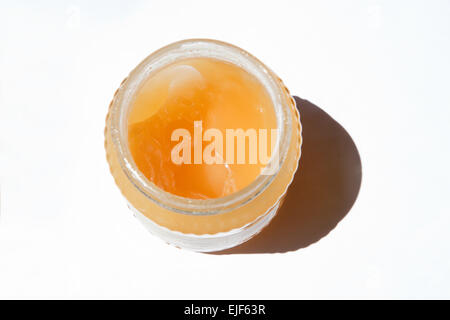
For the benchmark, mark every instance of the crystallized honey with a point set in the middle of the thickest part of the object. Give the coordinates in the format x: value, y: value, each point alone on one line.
x: 198, y: 94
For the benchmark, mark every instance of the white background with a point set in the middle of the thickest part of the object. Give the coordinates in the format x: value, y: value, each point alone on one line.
x: 379, y: 68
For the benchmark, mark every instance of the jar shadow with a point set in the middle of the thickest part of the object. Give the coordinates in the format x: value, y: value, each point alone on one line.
x: 323, y: 191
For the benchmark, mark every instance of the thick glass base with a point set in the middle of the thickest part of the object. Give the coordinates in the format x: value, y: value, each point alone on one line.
x: 206, y: 242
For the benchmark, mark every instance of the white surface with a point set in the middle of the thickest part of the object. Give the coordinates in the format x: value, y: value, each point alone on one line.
x: 379, y: 68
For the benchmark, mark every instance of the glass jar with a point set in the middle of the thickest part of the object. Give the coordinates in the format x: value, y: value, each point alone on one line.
x: 198, y: 224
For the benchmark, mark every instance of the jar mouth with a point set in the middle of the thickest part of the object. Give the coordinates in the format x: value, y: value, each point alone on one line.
x: 198, y: 48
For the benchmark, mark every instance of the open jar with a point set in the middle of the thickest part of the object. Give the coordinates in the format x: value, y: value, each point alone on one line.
x: 204, y: 224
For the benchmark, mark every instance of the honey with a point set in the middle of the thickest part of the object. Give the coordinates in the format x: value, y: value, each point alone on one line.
x: 215, y: 94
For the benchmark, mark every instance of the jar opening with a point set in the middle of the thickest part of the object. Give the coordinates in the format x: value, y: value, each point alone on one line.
x: 198, y: 48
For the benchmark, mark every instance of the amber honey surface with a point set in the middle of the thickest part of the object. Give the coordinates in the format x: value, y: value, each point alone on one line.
x: 220, y: 95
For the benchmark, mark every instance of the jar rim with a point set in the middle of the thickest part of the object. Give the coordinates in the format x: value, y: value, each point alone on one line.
x: 197, y: 48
